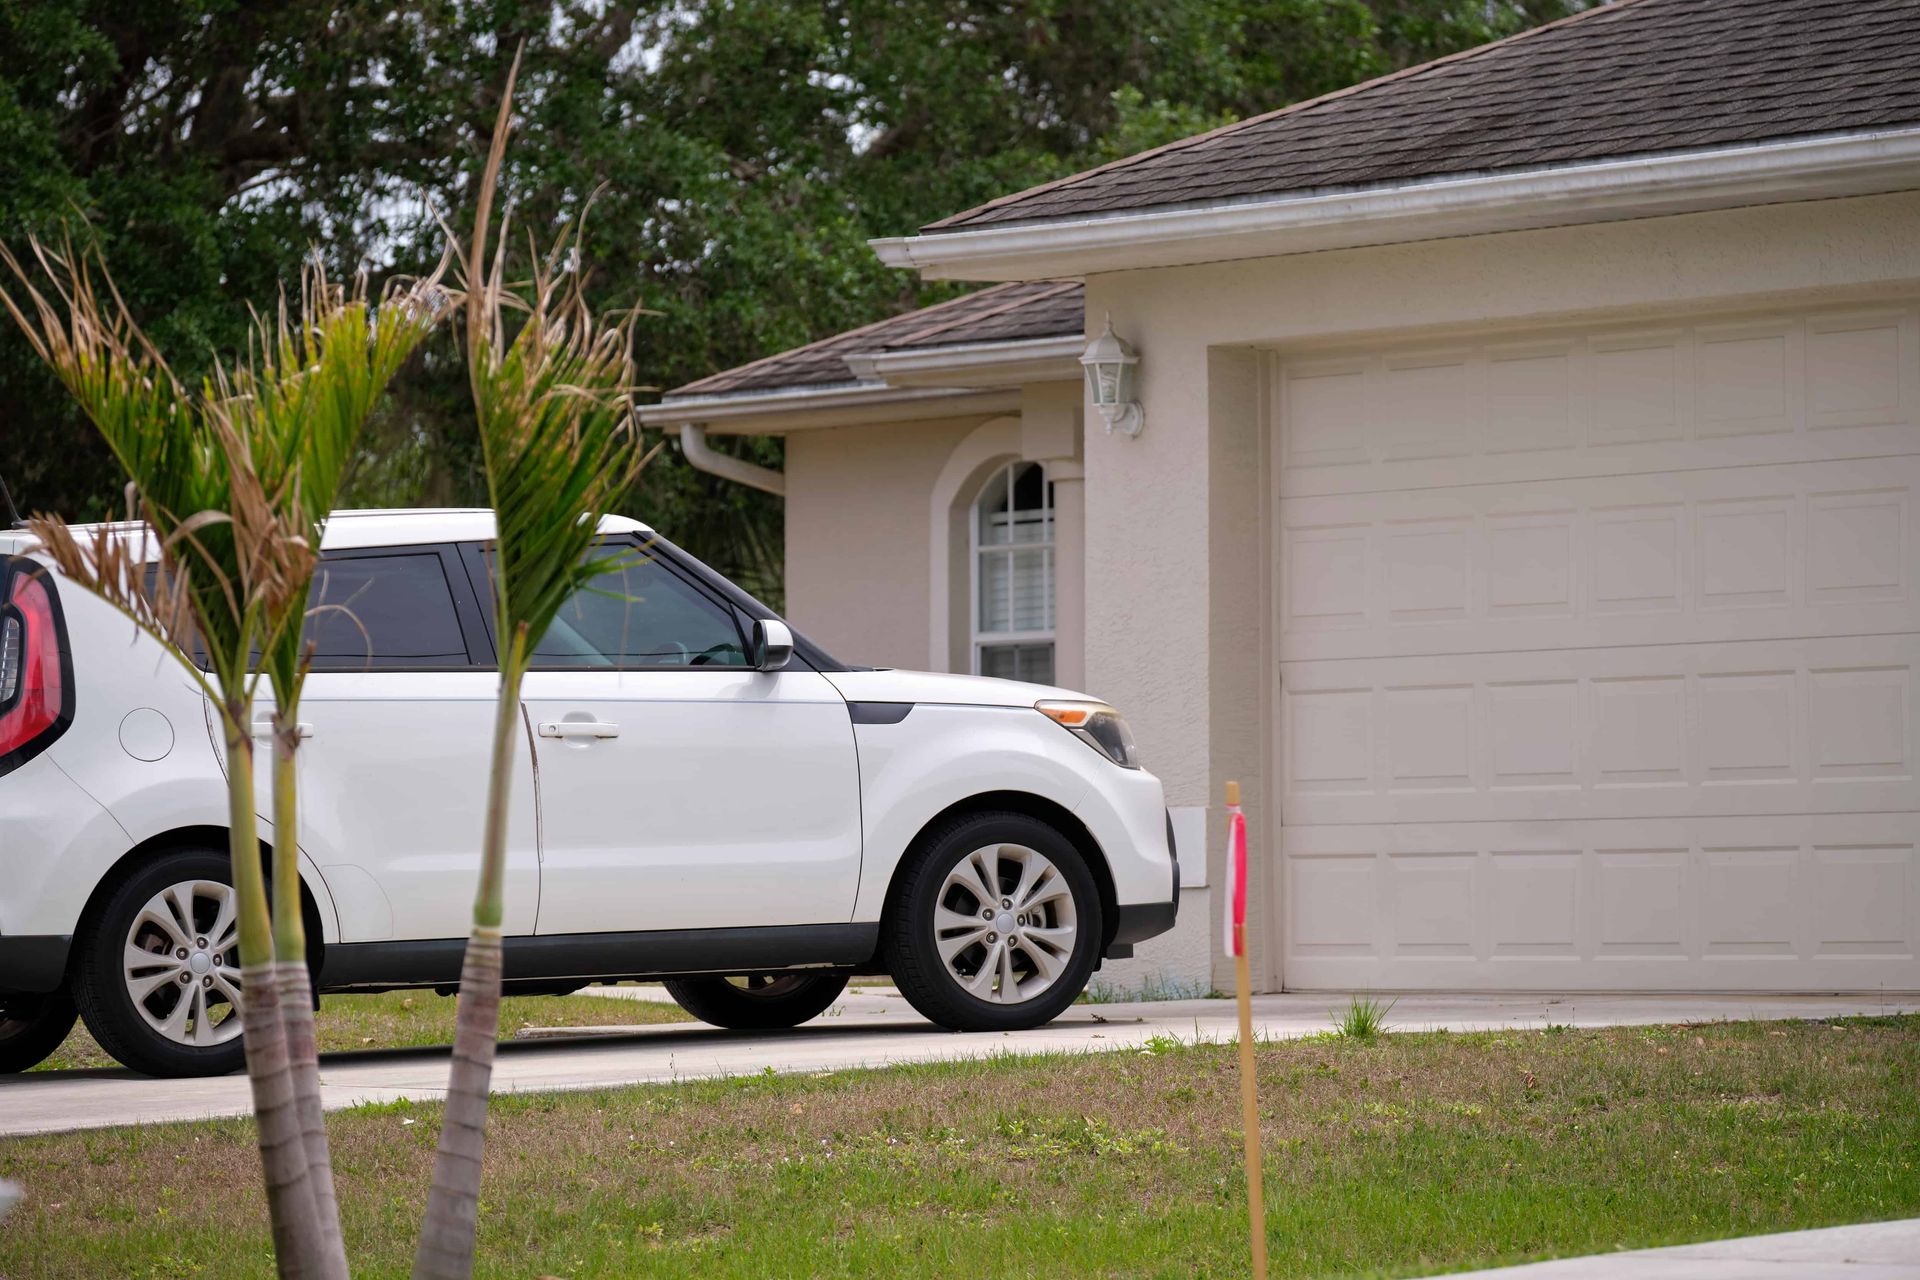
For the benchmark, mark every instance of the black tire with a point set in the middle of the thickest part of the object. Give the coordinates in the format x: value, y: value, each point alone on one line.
x: 910, y: 947
x: 100, y: 982
x: 767, y: 1001
x: 31, y: 1027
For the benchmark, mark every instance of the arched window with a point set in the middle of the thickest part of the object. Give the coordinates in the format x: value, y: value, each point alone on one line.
x: 1013, y: 575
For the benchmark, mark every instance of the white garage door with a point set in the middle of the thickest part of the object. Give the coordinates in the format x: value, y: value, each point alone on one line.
x: 1597, y: 655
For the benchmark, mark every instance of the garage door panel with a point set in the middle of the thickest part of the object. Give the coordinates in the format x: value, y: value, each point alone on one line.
x: 1823, y: 901
x: 1741, y: 553
x: 1791, y: 387
x: 1595, y: 656
x: 1809, y: 726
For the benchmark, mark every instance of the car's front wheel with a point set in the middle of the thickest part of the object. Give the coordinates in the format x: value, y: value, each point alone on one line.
x: 757, y: 1002
x: 994, y: 925
x: 159, y: 975
x: 32, y: 1027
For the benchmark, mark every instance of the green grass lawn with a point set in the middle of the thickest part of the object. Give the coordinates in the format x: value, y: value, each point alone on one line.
x: 1398, y: 1156
x: 409, y: 1019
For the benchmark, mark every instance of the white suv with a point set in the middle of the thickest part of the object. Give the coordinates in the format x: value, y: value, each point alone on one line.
x: 701, y: 796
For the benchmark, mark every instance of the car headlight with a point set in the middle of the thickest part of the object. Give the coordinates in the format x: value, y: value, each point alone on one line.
x: 1096, y: 724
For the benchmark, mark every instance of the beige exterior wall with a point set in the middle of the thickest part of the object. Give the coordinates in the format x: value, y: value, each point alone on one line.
x: 878, y: 517
x: 1178, y: 588
x: 859, y: 536
x: 1164, y: 540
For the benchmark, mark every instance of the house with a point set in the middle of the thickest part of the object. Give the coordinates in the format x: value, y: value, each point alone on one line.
x: 1523, y: 506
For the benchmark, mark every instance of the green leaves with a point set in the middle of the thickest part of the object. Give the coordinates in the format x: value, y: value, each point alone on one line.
x: 747, y: 148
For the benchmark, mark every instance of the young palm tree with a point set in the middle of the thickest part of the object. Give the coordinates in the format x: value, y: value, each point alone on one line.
x: 551, y: 389
x: 218, y: 557
x: 301, y: 404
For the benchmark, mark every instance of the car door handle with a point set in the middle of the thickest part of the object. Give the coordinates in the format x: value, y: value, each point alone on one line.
x: 264, y: 729
x: 578, y: 729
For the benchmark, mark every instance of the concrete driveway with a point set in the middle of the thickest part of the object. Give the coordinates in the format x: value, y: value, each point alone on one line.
x: 868, y: 1027
x: 1874, y: 1251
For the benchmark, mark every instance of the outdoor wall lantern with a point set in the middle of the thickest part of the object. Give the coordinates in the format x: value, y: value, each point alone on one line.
x: 1112, y: 373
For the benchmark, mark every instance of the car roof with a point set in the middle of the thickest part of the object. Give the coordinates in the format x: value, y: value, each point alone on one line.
x: 378, y: 527
x: 389, y: 527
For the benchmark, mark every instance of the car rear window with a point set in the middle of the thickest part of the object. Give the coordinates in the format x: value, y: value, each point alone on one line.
x: 384, y: 611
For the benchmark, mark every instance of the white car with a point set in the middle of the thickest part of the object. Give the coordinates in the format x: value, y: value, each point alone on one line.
x: 699, y: 796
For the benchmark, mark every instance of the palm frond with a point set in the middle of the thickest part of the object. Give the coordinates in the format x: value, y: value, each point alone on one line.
x: 222, y: 555
x: 553, y: 394
x: 301, y: 399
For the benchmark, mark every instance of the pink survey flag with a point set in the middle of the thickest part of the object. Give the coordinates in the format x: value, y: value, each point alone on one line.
x: 1236, y: 922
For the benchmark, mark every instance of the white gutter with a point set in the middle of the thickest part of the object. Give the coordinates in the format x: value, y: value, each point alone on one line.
x: 1684, y: 182
x: 975, y: 364
x: 704, y: 457
x: 785, y: 400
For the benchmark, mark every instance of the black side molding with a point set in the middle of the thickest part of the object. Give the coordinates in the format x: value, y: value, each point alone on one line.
x: 34, y: 962
x: 1142, y: 920
x: 655, y: 953
x: 878, y: 712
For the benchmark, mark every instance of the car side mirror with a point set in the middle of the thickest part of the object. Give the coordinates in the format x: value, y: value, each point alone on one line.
x: 772, y: 644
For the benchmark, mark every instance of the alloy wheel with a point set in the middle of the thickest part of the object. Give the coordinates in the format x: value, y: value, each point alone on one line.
x: 1005, y: 925
x: 182, y: 963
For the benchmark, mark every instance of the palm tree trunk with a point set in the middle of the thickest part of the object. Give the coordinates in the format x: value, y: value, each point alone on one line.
x: 296, y: 994
x: 297, y: 1238
x: 447, y: 1233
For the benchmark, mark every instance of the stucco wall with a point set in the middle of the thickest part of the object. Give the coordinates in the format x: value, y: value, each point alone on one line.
x: 1175, y: 520
x: 858, y: 536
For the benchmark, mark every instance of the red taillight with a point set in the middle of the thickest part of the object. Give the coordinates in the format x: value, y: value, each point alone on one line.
x: 36, y: 679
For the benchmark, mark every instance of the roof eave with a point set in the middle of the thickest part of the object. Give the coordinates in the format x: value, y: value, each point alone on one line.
x: 894, y: 386
x: 1608, y: 190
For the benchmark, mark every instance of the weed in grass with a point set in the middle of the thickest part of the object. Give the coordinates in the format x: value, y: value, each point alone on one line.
x: 1153, y: 988
x: 1362, y: 1019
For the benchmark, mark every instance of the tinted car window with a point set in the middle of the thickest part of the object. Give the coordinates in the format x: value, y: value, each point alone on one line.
x: 641, y: 614
x: 384, y: 611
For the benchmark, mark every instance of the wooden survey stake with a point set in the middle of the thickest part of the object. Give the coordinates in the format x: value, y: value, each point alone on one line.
x: 1236, y: 939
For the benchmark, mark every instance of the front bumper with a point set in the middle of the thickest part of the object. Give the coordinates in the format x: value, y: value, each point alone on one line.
x: 34, y: 962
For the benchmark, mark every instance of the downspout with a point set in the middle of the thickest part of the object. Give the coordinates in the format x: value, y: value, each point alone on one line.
x: 704, y: 457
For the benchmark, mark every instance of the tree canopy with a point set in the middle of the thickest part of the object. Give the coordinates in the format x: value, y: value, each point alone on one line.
x: 743, y: 152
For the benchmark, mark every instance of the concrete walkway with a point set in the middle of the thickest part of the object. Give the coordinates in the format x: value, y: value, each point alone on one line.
x: 1877, y: 1251
x: 868, y: 1027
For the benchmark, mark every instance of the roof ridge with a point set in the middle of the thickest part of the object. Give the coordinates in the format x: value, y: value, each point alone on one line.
x: 952, y: 221
x: 1053, y: 289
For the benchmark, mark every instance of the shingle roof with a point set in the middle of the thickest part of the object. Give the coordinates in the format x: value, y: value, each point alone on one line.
x: 1004, y: 313
x: 1633, y: 78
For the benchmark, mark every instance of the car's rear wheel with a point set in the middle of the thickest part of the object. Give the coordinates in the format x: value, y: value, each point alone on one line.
x: 758, y: 1001
x: 32, y: 1027
x: 159, y: 975
x: 994, y: 925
